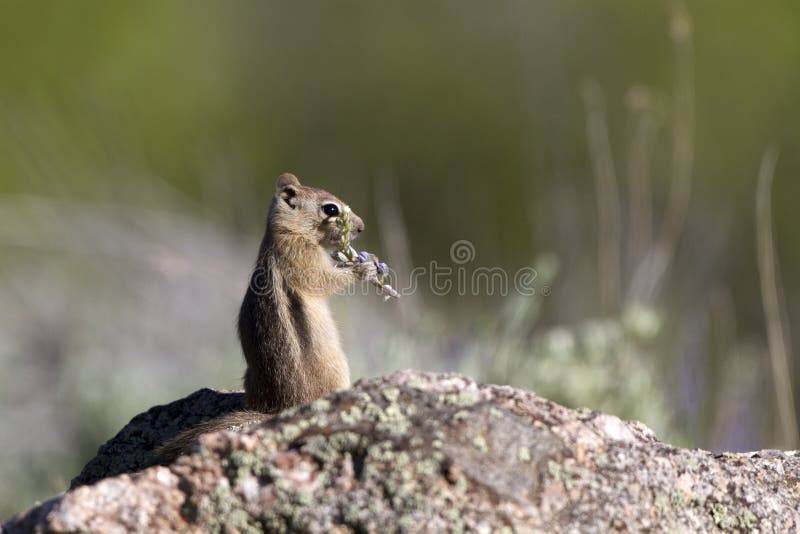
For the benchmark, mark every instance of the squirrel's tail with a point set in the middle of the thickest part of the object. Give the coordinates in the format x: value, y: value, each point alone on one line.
x: 183, y: 442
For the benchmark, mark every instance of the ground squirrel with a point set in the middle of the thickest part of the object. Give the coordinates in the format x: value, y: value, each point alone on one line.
x: 288, y: 336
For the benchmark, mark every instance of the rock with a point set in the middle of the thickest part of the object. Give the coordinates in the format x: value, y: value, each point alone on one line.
x: 131, y: 449
x: 149, y: 501
x: 424, y: 452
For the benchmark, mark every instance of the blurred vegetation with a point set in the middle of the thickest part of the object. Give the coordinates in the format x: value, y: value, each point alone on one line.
x: 139, y: 144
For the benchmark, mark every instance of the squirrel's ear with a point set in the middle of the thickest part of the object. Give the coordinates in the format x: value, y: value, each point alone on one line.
x: 286, y: 187
x: 285, y: 179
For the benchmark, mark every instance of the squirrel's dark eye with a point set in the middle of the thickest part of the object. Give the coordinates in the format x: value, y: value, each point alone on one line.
x: 331, y: 210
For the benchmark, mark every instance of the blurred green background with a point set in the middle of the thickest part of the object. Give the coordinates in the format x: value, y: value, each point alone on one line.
x: 613, y: 145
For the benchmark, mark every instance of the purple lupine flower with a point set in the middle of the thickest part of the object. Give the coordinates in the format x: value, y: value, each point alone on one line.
x: 347, y: 254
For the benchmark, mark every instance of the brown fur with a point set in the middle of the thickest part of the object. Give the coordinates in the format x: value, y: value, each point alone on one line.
x: 183, y: 442
x: 289, y: 339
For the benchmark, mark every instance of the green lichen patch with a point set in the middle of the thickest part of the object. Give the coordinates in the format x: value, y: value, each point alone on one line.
x: 392, y: 420
x: 416, y: 383
x: 748, y: 520
x: 353, y: 415
x: 563, y: 474
x: 461, y: 398
x: 496, y: 412
x: 321, y: 405
x: 728, y: 518
x: 723, y: 518
x: 244, y: 463
x: 319, y: 420
x: 320, y: 449
x: 228, y: 511
x: 480, y: 443
x: 661, y: 503
x: 346, y: 442
x: 692, y: 465
x: 290, y: 432
x: 678, y: 499
x: 391, y: 394
x: 416, y: 441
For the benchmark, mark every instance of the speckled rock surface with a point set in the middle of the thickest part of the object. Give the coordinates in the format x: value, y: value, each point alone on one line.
x: 418, y: 452
x: 131, y: 449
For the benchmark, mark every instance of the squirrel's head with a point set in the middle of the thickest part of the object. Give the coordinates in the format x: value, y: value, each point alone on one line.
x: 308, y: 212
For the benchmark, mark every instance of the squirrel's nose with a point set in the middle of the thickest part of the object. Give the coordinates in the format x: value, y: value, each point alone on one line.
x: 358, y: 224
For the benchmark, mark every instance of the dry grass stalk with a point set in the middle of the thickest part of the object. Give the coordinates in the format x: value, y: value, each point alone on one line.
x: 777, y: 331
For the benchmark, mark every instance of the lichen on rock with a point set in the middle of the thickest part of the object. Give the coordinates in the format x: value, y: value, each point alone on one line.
x: 424, y: 452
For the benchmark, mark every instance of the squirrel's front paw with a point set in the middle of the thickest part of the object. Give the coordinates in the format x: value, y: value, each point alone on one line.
x: 367, y: 270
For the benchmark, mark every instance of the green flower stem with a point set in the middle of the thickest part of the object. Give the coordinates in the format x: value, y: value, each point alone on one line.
x: 346, y: 254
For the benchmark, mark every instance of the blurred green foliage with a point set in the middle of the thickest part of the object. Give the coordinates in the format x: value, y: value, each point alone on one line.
x: 178, y: 115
